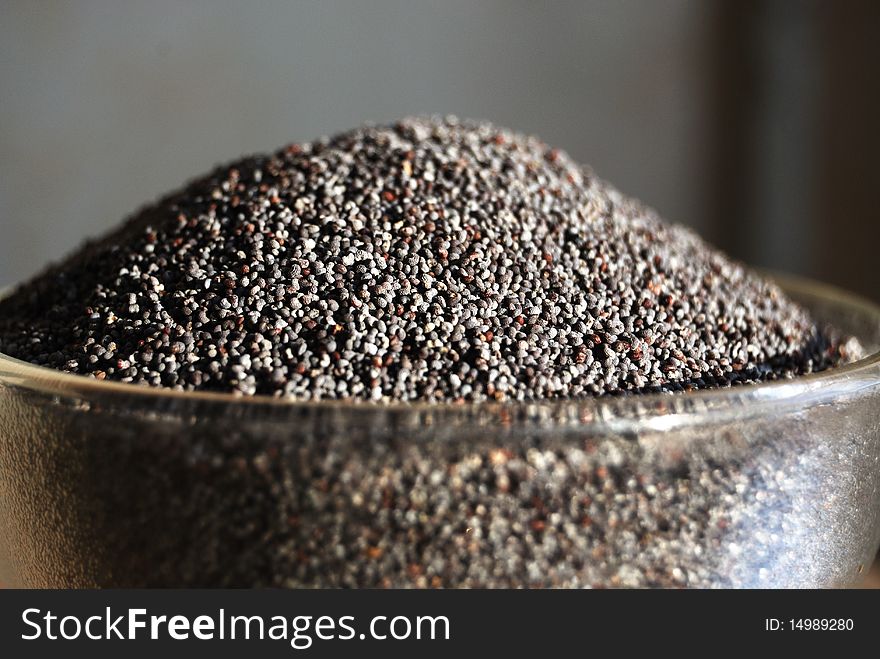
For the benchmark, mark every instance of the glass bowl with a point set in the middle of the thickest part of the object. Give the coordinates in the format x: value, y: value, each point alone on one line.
x: 775, y: 485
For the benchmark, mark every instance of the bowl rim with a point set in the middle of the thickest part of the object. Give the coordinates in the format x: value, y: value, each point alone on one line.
x: 655, y: 411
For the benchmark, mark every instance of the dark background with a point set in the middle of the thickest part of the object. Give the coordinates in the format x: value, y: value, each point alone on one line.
x: 754, y: 122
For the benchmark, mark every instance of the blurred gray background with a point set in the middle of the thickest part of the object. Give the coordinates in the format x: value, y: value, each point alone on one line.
x: 754, y: 122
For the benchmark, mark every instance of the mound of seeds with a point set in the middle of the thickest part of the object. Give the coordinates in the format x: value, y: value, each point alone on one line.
x: 431, y: 259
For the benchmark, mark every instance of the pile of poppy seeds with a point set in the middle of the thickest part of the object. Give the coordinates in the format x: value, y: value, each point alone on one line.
x: 430, y: 260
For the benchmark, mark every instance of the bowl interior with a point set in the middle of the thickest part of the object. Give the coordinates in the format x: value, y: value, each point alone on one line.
x: 850, y: 314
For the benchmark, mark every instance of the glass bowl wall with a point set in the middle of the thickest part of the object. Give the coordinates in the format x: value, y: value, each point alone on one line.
x: 775, y: 485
